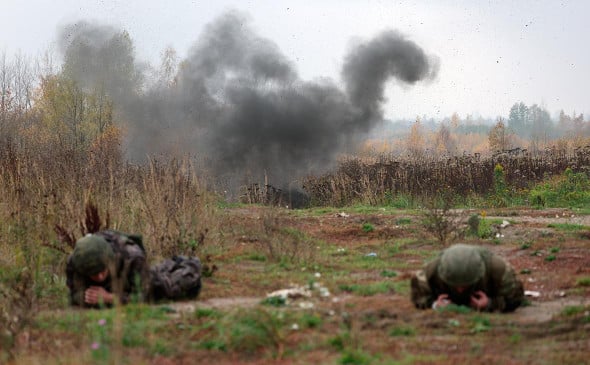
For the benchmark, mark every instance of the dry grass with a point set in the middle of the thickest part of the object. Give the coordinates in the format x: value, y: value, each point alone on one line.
x: 370, y: 182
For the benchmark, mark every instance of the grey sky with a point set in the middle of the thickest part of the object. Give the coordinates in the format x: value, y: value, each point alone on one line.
x: 492, y: 54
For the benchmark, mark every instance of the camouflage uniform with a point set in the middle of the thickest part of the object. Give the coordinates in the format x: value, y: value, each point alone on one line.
x: 480, y: 269
x: 123, y: 255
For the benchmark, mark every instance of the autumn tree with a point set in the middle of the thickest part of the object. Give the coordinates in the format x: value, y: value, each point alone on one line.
x: 71, y: 117
x: 415, y: 141
x: 444, y: 141
x: 499, y: 138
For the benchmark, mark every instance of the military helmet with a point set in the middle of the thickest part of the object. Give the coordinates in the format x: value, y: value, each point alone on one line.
x: 91, y: 255
x: 461, y: 265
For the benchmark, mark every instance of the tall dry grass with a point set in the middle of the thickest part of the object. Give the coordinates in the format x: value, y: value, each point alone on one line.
x: 45, y: 191
x: 378, y: 180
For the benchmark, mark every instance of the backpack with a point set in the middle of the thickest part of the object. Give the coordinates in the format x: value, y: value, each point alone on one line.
x: 176, y: 278
x: 119, y: 240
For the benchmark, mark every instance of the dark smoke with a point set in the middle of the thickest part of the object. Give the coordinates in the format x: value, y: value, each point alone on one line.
x: 238, y: 103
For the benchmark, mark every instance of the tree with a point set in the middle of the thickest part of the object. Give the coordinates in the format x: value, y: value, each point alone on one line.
x: 445, y: 143
x: 415, y: 141
x: 517, y: 119
x: 499, y: 138
x: 168, y: 67
x: 541, y: 126
x: 71, y: 117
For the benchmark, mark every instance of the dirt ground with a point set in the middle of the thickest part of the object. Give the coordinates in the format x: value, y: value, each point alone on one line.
x: 535, y: 333
x: 385, y: 247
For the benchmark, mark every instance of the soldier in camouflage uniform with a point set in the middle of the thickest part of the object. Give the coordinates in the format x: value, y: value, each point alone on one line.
x: 105, y: 267
x: 110, y: 265
x: 467, y: 275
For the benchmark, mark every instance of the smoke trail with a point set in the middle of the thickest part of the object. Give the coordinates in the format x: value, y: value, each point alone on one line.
x: 239, y: 103
x: 367, y: 67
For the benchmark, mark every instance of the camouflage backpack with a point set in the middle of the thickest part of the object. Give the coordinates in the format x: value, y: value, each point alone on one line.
x: 176, y: 278
x: 120, y: 240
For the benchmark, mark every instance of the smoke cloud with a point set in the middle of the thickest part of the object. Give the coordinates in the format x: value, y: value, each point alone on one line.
x: 238, y: 104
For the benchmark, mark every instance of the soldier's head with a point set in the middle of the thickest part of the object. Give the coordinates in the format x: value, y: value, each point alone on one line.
x: 92, y: 257
x: 461, y: 266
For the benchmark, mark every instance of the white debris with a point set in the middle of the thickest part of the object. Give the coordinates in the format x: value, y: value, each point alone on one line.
x: 371, y: 254
x: 531, y: 293
x: 295, y: 327
x: 504, y: 224
x: 306, y: 305
x: 317, y: 275
x: 291, y: 293
x: 342, y: 215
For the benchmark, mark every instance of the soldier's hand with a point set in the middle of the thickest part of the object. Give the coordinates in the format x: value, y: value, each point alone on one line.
x: 97, y: 294
x: 479, y: 300
x: 441, y: 301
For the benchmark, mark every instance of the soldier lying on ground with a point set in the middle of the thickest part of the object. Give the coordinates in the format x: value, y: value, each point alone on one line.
x: 111, y: 266
x: 470, y: 276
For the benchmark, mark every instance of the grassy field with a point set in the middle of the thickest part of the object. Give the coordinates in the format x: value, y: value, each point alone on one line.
x: 349, y: 272
x: 346, y: 265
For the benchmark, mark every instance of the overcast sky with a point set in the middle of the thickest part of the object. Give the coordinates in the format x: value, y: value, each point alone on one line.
x: 492, y: 53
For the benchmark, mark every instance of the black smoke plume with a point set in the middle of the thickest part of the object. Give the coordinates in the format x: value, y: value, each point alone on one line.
x: 239, y: 105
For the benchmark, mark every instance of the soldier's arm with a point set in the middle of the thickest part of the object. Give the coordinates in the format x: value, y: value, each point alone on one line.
x: 421, y: 292
x: 75, y: 284
x: 510, y: 292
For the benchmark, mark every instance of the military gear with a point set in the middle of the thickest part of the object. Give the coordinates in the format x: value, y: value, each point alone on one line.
x: 461, y: 265
x: 128, y: 270
x: 498, y: 281
x: 91, y: 255
x: 176, y: 278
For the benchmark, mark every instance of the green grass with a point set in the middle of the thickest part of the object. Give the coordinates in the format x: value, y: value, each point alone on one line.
x: 573, y: 310
x: 369, y: 289
x: 583, y: 281
x: 402, y: 331
x: 568, y: 227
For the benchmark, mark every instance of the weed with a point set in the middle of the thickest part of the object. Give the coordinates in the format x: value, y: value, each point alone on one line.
x: 388, y: 273
x: 311, y: 320
x: 554, y: 249
x: 340, y: 341
x: 568, y: 227
x: 403, y: 221
x: 515, y: 338
x: 525, y: 271
x: 572, y: 310
x: 368, y: 289
x: 276, y: 301
x: 585, y: 281
x: 525, y: 245
x: 550, y: 258
x: 440, y: 220
x: 402, y: 332
x: 480, y: 324
x: 453, y: 308
x: 368, y: 227
x: 257, y: 257
x: 207, y: 313
x: 213, y: 345
x: 473, y: 224
x: 355, y: 357
x: 249, y: 330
